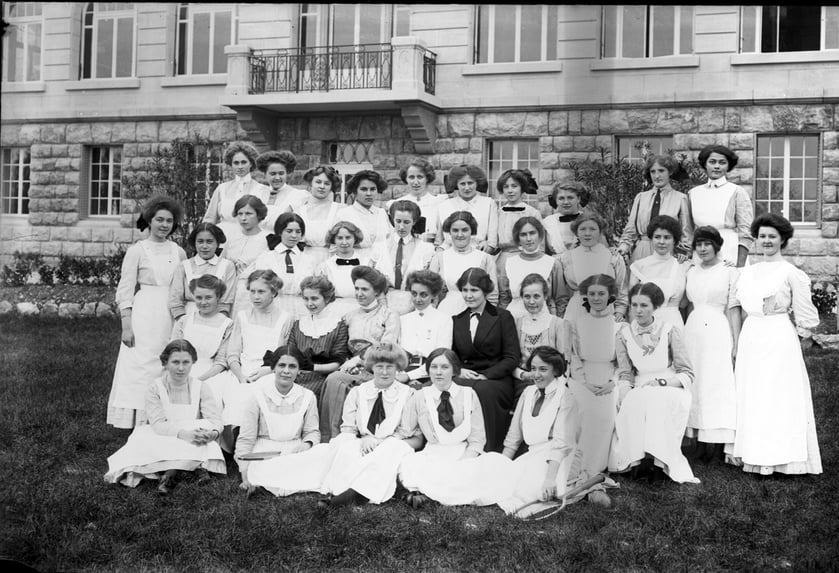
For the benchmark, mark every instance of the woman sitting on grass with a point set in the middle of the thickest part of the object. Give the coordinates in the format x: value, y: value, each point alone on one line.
x: 279, y: 445
x: 184, y: 424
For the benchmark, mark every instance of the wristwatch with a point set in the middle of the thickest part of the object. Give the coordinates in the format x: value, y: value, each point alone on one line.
x: 661, y: 381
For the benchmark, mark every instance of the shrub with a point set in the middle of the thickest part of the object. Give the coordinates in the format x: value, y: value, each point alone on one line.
x: 30, y: 269
x: 824, y: 297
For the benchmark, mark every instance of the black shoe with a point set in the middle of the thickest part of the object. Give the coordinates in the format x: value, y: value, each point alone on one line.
x: 201, y: 476
x: 166, y: 485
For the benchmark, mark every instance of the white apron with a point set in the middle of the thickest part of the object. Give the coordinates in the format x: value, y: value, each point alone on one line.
x: 206, y: 339
x: 516, y: 274
x: 218, y: 271
x: 585, y: 264
x: 710, y: 210
x: 669, y: 311
x: 147, y: 453
x: 652, y: 419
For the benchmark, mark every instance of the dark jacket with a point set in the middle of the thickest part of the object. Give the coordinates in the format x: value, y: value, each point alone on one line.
x: 495, y: 353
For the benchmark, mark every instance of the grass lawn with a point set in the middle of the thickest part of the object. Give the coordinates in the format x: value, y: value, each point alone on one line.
x: 59, y: 514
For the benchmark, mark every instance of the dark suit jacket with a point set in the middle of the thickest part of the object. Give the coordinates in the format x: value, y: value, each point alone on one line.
x: 495, y: 353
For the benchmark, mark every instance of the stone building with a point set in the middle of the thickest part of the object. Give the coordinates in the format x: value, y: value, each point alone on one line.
x: 90, y: 90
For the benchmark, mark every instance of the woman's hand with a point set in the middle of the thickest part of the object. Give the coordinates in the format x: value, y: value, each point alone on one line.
x: 619, y: 317
x: 369, y: 443
x: 301, y: 447
x: 681, y: 257
x: 403, y: 377
x: 469, y: 454
x: 351, y: 366
x: 195, y: 437
x: 127, y: 336
x: 548, y: 491
x: 471, y: 374
x: 240, y: 265
x: 257, y: 374
x: 807, y: 343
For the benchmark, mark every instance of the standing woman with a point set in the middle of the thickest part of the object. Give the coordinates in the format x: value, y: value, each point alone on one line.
x: 529, y: 235
x: 240, y: 157
x: 713, y: 327
x: 662, y: 199
x: 277, y: 167
x: 470, y: 184
x: 450, y: 263
x: 320, y: 212
x: 245, y: 248
x: 511, y: 185
x: 664, y: 268
x: 484, y: 338
x: 567, y: 199
x: 365, y: 187
x: 654, y: 379
x: 406, y: 251
x: 590, y: 257
x: 723, y: 205
x: 288, y: 257
x: 418, y: 175
x: 776, y: 429
x: 146, y: 323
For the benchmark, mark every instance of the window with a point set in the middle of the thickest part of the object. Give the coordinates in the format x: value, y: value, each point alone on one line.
x: 203, y: 32
x: 789, y: 28
x: 511, y: 154
x: 402, y: 20
x: 516, y: 33
x: 108, y: 40
x: 786, y: 177
x: 105, y: 181
x: 348, y: 157
x: 14, y: 181
x: 347, y: 24
x: 22, y: 42
x: 636, y: 149
x: 647, y: 31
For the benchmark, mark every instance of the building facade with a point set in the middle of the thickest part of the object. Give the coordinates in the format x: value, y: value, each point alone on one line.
x: 90, y: 90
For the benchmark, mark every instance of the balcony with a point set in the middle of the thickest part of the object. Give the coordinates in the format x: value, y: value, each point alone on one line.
x: 382, y: 78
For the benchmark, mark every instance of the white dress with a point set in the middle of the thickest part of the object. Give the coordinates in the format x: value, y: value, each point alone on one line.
x: 289, y: 299
x: 341, y: 277
x: 580, y: 263
x: 316, y: 230
x: 438, y: 470
x: 289, y: 473
x: 292, y: 198
x: 713, y: 412
x: 207, y: 340
x: 373, y: 475
x: 652, y: 418
x: 147, y: 453
x: 776, y: 429
x: 516, y: 268
x: 593, y: 362
x: 245, y: 248
x: 450, y: 264
x: 151, y: 323
x: 670, y: 276
x: 220, y: 209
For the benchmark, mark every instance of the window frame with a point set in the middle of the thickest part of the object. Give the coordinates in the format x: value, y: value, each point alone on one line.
x: 88, y: 61
x: 21, y: 185
x: 786, y: 178
x: 23, y: 23
x: 756, y: 34
x: 322, y: 17
x: 664, y: 146
x: 532, y: 163
x: 90, y: 181
x: 188, y: 23
x: 649, y: 31
x: 545, y: 35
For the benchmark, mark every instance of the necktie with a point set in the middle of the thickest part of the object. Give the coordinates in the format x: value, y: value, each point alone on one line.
x: 656, y: 205
x: 568, y: 218
x: 473, y: 324
x: 377, y: 414
x: 347, y: 262
x: 398, y: 266
x: 512, y: 209
x: 537, y: 404
x: 289, y: 266
x: 445, y: 414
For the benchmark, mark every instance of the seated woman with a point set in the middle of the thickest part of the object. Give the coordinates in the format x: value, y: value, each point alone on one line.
x: 452, y: 467
x: 345, y: 237
x: 654, y: 379
x: 279, y: 445
x: 546, y: 420
x: 320, y: 335
x: 450, y: 263
x: 406, y: 252
x: 590, y: 257
x: 485, y: 339
x: 184, y: 424
x: 370, y: 323
x: 529, y: 235
x: 370, y: 447
x: 208, y: 331
x: 256, y: 331
x: 424, y: 329
x: 206, y: 240
x: 663, y: 268
x: 593, y: 366
x: 537, y: 327
x: 289, y: 259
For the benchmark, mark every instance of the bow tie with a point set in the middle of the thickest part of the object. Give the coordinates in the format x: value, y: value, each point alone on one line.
x: 645, y: 329
x: 512, y: 209
x: 568, y: 218
x: 347, y: 262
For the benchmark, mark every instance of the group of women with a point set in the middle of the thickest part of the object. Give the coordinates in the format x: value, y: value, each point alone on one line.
x: 471, y: 351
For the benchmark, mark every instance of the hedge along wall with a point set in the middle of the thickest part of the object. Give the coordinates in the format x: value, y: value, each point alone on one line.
x: 565, y: 136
